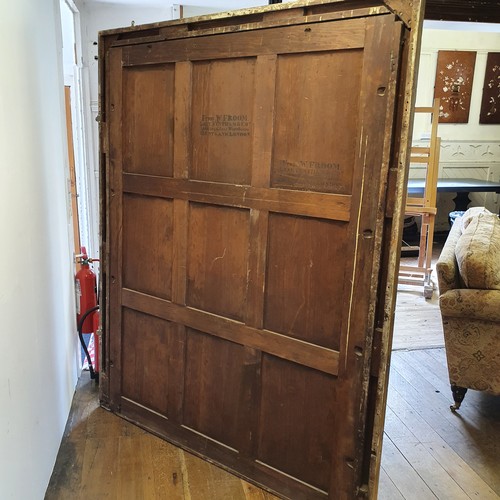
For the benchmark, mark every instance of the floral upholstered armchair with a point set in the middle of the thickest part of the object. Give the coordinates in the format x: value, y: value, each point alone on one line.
x: 469, y: 285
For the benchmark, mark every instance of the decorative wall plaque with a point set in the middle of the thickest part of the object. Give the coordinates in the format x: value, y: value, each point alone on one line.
x: 490, y: 105
x: 454, y: 76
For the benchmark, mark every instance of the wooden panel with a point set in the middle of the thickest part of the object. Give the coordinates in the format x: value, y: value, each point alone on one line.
x: 302, y: 298
x: 147, y: 245
x: 314, y: 147
x: 222, y: 120
x: 152, y: 351
x: 148, y: 127
x: 319, y: 37
x: 293, y: 395
x: 217, y: 259
x: 220, y: 389
x: 260, y: 245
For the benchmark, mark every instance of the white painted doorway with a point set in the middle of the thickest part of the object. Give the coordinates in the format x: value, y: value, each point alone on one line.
x: 85, y: 166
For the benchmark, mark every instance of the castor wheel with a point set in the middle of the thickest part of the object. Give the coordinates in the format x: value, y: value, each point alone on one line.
x: 428, y: 291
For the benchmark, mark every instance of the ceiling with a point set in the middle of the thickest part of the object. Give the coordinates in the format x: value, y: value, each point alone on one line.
x: 223, y: 4
x: 484, y: 11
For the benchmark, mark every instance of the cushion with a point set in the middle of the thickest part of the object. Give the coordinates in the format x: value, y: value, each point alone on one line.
x: 469, y: 214
x: 478, y: 252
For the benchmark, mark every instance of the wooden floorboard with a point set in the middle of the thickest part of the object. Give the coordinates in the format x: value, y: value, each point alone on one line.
x: 428, y: 452
x: 104, y: 456
x: 417, y: 331
x: 390, y: 490
x: 417, y: 323
x: 457, y: 455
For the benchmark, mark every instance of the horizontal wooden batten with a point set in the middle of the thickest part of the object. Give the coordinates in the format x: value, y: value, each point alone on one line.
x: 196, y: 27
x: 420, y: 150
x: 321, y: 205
x: 298, y: 351
x: 419, y: 159
x: 315, y: 37
x: 411, y: 270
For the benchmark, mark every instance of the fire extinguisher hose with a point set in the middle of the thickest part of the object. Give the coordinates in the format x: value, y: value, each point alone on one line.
x: 93, y: 374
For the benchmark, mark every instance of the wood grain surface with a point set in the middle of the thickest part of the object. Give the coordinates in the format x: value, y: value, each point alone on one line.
x: 245, y: 212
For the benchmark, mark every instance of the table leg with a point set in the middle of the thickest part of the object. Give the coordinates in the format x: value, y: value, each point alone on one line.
x: 462, y: 200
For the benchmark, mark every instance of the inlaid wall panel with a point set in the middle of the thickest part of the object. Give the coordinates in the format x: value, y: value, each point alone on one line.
x: 490, y: 102
x: 454, y: 78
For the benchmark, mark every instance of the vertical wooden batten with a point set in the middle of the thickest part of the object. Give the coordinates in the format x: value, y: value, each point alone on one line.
x: 114, y: 202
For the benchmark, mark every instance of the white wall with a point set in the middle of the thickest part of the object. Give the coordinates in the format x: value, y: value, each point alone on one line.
x: 468, y: 150
x: 434, y: 40
x: 211, y: 7
x: 68, y: 37
x: 39, y: 344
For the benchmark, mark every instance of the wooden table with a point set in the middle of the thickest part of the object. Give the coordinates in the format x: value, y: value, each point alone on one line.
x: 460, y: 186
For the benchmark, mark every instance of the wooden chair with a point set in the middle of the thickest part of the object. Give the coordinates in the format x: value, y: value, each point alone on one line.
x: 424, y: 207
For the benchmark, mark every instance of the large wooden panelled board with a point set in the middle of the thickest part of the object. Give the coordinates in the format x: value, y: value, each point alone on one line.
x: 246, y: 162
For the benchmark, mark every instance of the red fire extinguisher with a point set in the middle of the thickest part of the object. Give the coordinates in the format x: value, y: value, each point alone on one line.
x: 87, y: 308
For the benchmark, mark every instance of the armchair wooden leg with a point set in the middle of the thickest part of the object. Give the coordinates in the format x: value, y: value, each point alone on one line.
x: 458, y: 396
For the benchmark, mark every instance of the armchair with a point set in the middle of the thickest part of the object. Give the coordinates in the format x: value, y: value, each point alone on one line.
x: 468, y: 272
